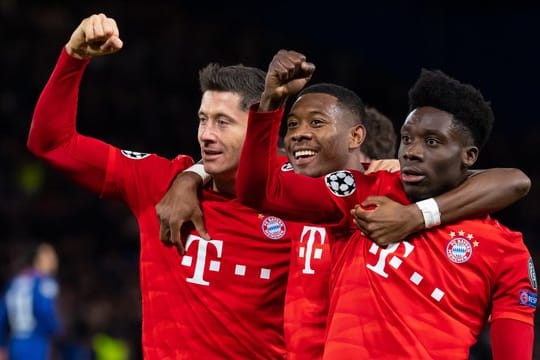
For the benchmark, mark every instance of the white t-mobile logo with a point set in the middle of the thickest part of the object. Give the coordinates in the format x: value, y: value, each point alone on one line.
x: 395, y: 262
x: 307, y: 249
x: 200, y: 260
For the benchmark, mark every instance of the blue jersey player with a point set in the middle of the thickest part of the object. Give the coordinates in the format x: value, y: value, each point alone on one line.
x: 28, y: 317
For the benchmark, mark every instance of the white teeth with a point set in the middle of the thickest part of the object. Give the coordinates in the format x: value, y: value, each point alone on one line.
x: 301, y: 153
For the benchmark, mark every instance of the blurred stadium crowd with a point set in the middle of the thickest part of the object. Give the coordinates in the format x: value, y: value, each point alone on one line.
x: 145, y: 99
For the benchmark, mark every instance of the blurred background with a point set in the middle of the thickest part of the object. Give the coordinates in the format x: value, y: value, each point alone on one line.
x: 146, y: 97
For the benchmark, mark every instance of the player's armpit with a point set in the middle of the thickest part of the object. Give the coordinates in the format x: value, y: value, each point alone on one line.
x: 511, y: 339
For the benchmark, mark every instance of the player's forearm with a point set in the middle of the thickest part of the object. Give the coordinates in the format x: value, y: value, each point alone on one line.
x: 511, y: 339
x: 483, y: 193
x: 258, y: 158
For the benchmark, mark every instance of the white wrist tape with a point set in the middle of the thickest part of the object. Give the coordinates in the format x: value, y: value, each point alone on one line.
x: 430, y: 211
x: 199, y: 170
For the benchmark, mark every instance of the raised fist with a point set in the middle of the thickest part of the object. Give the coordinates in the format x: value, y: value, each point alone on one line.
x: 96, y: 35
x: 287, y: 74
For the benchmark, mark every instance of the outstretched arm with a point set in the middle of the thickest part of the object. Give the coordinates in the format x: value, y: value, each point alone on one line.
x: 483, y: 192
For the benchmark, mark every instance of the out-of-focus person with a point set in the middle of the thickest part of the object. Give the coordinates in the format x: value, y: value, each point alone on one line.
x: 28, y: 316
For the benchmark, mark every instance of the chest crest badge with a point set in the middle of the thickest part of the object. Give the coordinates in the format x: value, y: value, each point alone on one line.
x: 459, y: 249
x: 273, y: 227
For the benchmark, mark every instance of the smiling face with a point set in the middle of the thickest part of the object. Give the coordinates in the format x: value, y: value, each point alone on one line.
x: 321, y: 137
x: 434, y: 153
x: 222, y: 129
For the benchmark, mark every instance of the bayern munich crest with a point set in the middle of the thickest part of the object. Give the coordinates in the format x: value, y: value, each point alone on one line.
x: 273, y: 227
x: 459, y: 250
x: 341, y: 183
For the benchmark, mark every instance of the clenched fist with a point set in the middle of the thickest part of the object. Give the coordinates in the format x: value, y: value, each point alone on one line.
x: 96, y: 35
x: 287, y: 74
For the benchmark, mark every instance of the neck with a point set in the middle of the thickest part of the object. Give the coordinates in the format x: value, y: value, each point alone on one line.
x: 355, y: 162
x: 224, y: 186
x: 364, y: 158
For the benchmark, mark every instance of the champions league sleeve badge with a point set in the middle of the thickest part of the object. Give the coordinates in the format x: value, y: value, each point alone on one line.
x: 134, y: 154
x: 286, y: 167
x: 532, y: 274
x: 341, y: 183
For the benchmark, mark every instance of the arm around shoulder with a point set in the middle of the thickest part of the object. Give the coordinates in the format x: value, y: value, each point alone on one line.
x: 483, y: 192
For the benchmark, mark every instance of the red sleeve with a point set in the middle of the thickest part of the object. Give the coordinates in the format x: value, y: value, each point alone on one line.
x: 511, y: 339
x: 261, y: 183
x: 138, y: 179
x: 514, y: 292
x: 53, y: 136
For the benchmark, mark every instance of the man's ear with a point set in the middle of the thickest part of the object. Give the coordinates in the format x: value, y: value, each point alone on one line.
x: 357, y: 135
x: 469, y: 155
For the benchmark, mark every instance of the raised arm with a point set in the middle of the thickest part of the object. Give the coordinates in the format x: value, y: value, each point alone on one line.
x: 260, y: 181
x: 53, y: 134
x: 482, y: 193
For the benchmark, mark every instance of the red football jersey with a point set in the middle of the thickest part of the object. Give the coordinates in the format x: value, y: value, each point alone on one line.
x: 430, y: 296
x: 425, y: 298
x: 299, y: 197
x: 307, y: 298
x: 223, y: 298
x: 316, y: 256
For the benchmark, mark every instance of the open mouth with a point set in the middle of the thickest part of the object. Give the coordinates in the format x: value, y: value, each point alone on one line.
x: 304, y: 156
x: 411, y: 175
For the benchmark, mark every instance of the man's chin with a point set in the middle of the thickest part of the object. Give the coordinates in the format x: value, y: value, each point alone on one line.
x: 309, y: 170
x: 415, y: 193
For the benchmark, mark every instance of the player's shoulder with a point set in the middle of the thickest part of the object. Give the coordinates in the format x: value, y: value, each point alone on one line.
x: 384, y: 175
x: 492, y: 228
x: 139, y: 159
x: 284, y: 164
x: 487, y: 231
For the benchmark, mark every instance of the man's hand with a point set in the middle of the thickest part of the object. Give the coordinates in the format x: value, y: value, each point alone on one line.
x: 389, y: 221
x: 96, y: 35
x: 287, y: 74
x: 179, y: 206
x: 390, y: 165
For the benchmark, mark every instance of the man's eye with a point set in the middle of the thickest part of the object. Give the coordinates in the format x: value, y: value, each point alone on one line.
x: 431, y: 141
x: 222, y: 122
x: 292, y: 124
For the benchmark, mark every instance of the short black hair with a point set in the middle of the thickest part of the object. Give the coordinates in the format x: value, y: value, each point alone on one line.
x: 381, y: 138
x: 246, y: 81
x: 466, y: 103
x: 345, y: 97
